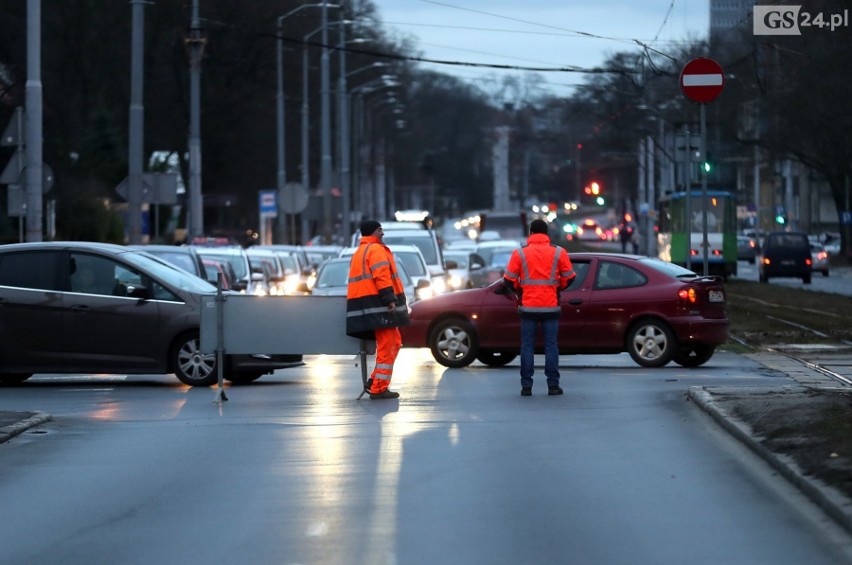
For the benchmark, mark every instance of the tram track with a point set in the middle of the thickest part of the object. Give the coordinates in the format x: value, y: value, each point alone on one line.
x: 802, y: 328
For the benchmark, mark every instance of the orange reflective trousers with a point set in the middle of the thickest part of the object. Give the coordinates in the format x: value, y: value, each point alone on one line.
x: 388, y: 344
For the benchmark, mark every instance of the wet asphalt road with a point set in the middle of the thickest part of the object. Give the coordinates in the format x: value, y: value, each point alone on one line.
x: 292, y: 469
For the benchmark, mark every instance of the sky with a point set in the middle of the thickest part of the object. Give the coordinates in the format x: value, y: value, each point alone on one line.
x: 539, y: 33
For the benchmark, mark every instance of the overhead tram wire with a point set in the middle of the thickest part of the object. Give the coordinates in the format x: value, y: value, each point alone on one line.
x: 412, y: 58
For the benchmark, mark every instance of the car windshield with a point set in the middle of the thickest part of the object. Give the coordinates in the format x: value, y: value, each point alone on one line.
x: 234, y: 258
x: 461, y: 259
x: 336, y: 274
x: 412, y: 263
x: 424, y: 244
x: 168, y: 273
x: 333, y: 274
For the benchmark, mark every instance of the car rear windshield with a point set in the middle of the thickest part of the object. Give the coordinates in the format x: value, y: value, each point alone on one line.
x: 667, y: 268
x: 792, y: 241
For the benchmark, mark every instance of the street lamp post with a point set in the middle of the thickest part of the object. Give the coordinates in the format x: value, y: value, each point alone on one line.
x: 281, y: 176
x: 345, y: 141
x: 384, y: 81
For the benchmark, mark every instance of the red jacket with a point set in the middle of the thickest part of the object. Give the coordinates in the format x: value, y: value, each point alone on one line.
x: 539, y: 270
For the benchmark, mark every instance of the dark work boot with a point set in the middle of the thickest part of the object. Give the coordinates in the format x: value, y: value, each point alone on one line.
x: 526, y: 391
x: 384, y: 394
x: 554, y: 390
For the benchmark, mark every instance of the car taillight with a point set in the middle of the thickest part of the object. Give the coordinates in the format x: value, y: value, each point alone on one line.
x: 717, y: 252
x: 688, y: 295
x: 809, y: 262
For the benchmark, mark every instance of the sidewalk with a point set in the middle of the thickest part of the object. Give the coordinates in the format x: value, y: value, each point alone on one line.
x: 792, y: 411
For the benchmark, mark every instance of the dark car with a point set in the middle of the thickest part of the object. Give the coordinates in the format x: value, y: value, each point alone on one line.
x: 747, y: 248
x: 78, y: 307
x: 786, y: 254
x: 654, y: 310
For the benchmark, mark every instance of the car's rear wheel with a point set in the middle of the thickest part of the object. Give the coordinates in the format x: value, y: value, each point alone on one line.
x: 806, y: 278
x: 763, y: 278
x: 190, y: 365
x: 14, y: 379
x: 453, y: 343
x: 651, y: 343
x: 694, y: 356
x: 496, y: 358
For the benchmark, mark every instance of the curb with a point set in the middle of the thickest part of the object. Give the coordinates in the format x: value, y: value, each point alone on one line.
x: 831, y: 501
x: 19, y: 427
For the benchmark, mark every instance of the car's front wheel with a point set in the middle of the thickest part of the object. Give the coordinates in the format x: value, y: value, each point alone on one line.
x: 651, y: 343
x: 453, y: 343
x: 496, y: 358
x: 190, y: 365
x: 694, y: 356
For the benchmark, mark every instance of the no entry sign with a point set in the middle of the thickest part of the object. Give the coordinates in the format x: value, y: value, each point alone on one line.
x: 702, y: 80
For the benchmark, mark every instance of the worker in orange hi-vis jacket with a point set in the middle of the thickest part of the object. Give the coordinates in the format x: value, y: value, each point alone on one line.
x: 376, y: 305
x: 538, y: 272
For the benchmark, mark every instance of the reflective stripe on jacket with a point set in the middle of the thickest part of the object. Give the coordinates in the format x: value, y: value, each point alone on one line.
x: 539, y: 270
x: 374, y: 283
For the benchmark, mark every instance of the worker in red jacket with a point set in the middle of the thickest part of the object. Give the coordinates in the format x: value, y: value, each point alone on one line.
x: 376, y: 305
x: 538, y: 272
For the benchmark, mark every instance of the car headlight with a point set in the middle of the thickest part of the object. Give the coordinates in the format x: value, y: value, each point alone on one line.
x: 455, y: 281
x: 439, y: 285
x: 425, y: 292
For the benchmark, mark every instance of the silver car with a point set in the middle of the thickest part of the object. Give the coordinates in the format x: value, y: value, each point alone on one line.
x: 333, y: 279
x: 82, y: 307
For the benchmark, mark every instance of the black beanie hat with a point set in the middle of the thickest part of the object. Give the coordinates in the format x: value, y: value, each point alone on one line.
x: 538, y: 226
x: 369, y: 226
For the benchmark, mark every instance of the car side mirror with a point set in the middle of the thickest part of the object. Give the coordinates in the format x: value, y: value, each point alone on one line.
x: 423, y: 283
x: 452, y: 264
x: 257, y: 277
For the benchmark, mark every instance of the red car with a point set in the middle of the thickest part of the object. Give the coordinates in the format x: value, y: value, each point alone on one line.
x: 654, y: 310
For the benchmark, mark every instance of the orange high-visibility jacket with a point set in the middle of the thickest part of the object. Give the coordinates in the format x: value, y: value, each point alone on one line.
x: 539, y: 270
x: 373, y: 284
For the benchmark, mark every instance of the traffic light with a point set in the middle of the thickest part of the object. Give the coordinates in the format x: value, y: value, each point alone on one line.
x: 781, y: 219
x: 600, y: 201
x: 707, y: 165
x: 593, y: 188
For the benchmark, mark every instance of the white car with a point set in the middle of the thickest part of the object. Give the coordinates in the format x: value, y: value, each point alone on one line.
x: 459, y: 267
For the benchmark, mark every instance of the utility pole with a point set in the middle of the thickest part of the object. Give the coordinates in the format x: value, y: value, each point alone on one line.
x: 325, y: 141
x: 136, y: 150
x: 196, y: 203
x: 34, y: 171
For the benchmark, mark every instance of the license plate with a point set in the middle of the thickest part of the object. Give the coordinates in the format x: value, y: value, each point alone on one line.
x: 717, y: 296
x: 788, y: 262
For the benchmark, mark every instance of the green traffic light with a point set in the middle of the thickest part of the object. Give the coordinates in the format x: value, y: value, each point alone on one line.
x: 600, y: 201
x: 706, y: 166
x: 780, y: 220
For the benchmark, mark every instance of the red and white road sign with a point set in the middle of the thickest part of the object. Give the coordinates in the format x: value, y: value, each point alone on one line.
x: 702, y: 80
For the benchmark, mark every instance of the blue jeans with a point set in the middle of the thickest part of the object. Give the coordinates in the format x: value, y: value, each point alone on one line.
x: 550, y: 328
